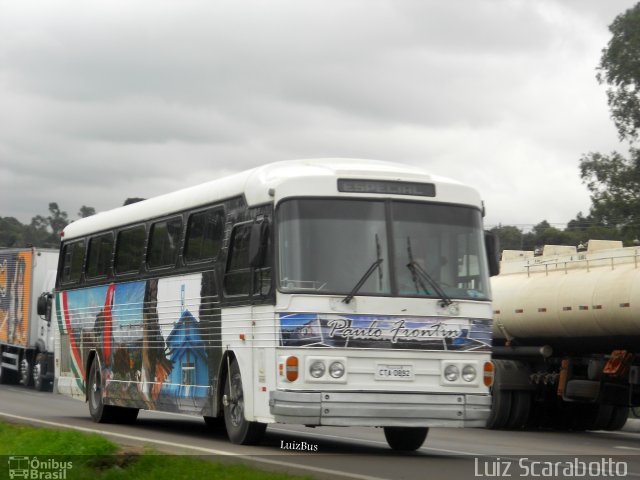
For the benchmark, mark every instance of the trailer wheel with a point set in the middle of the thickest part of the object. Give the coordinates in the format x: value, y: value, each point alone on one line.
x: 618, y: 419
x: 592, y: 416
x: 405, y: 439
x: 239, y: 430
x: 520, y: 408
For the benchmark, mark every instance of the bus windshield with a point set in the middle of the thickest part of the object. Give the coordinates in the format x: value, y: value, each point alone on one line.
x: 399, y: 248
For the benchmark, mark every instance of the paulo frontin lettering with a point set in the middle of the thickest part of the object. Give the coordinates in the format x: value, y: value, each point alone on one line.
x: 526, y: 467
x: 299, y: 446
x: 397, y: 331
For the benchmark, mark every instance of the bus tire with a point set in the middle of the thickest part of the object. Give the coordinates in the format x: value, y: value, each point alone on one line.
x: 239, y: 430
x: 101, y: 413
x: 405, y: 439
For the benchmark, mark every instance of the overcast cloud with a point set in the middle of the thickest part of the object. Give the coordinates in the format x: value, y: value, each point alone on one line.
x: 100, y: 101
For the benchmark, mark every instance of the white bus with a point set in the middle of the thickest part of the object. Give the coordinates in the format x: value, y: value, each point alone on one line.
x: 317, y: 292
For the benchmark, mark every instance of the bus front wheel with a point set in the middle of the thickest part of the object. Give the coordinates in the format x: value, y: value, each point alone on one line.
x: 406, y: 439
x: 240, y: 430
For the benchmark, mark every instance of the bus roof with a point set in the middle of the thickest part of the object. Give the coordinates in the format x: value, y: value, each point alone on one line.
x: 268, y: 183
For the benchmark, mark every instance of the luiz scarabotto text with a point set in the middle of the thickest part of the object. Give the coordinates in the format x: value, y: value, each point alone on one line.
x: 566, y: 468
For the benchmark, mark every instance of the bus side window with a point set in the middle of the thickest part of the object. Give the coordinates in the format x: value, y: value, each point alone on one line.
x: 164, y: 243
x: 129, y: 250
x: 99, y: 256
x: 205, y: 231
x: 237, y: 279
x: 73, y: 259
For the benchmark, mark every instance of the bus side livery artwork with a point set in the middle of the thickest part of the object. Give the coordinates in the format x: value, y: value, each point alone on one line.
x: 312, y: 292
x: 144, y: 350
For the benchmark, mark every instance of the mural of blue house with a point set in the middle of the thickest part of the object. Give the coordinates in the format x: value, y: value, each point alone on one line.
x: 189, y: 379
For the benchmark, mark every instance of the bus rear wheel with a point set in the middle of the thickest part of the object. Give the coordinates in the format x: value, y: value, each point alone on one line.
x: 101, y: 413
x: 405, y: 439
x: 239, y: 430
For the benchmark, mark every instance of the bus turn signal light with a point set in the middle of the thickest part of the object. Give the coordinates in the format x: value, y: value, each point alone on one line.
x: 487, y: 374
x: 292, y: 369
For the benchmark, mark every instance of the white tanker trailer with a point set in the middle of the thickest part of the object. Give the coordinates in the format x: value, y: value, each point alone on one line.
x: 567, y: 337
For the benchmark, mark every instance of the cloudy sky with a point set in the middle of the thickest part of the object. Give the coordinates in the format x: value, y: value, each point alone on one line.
x: 100, y: 101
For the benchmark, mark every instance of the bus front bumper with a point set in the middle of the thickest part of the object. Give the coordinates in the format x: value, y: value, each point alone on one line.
x: 380, y: 409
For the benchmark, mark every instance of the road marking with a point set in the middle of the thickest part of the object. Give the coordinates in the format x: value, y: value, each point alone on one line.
x: 622, y: 447
x: 210, y: 451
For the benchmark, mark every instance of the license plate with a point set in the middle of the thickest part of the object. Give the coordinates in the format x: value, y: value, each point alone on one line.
x: 394, y: 372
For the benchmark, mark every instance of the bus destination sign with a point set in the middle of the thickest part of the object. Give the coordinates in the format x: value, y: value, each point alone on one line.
x: 386, y: 187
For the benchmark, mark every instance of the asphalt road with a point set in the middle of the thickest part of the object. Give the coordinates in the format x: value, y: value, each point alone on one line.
x: 352, y: 453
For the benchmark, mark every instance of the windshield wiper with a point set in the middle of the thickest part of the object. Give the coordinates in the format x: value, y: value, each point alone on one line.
x: 419, y: 274
x: 364, y: 278
x: 367, y: 274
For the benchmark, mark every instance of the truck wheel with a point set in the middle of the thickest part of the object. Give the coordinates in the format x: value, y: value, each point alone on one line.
x: 405, y: 439
x: 239, y: 430
x: 596, y: 416
x: 618, y: 419
x: 39, y: 382
x: 520, y: 408
x: 500, y: 408
x: 25, y: 372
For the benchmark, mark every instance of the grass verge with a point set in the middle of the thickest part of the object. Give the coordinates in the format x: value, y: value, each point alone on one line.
x: 67, y: 454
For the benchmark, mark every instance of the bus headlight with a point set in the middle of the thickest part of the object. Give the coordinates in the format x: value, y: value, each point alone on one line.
x: 469, y: 373
x: 336, y: 370
x: 317, y: 369
x: 451, y: 373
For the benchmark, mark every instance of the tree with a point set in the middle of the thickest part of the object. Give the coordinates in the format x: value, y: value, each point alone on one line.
x: 620, y: 69
x: 41, y: 232
x: 11, y: 232
x: 614, y: 183
x: 510, y: 237
x: 613, y: 180
x: 58, y: 219
x: 86, y: 211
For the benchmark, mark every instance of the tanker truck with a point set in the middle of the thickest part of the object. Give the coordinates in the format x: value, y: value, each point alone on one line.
x: 27, y: 278
x: 566, y: 337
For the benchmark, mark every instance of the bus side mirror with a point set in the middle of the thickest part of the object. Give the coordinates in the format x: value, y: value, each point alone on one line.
x: 492, y: 246
x: 258, y: 244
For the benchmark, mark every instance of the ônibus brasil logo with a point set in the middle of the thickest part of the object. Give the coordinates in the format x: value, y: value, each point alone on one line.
x: 38, y: 469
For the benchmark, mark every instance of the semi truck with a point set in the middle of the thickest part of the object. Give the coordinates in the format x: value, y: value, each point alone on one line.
x: 27, y: 278
x: 566, y: 337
